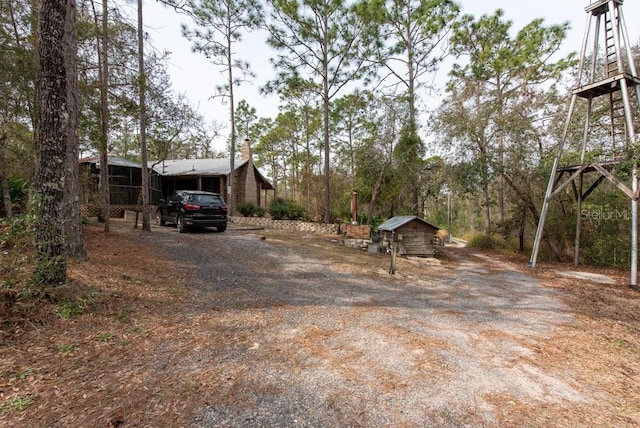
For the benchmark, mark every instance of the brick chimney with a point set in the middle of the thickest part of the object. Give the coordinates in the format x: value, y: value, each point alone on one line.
x: 247, y: 153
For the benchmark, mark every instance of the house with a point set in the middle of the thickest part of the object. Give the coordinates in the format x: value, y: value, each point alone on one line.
x: 415, y: 236
x: 212, y: 175
x: 125, y: 181
x: 125, y: 185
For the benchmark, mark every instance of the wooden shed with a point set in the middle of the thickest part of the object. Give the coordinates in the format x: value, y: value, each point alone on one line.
x: 415, y: 236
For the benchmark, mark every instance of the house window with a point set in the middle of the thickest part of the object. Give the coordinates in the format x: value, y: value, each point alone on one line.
x: 211, y: 184
x: 120, y: 176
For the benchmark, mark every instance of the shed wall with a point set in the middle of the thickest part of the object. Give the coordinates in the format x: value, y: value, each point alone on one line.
x: 417, y: 239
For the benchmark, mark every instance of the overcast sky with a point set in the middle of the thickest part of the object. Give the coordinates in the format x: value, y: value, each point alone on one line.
x: 193, y: 75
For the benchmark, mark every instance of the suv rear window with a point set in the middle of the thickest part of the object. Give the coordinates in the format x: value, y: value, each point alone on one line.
x: 206, y: 199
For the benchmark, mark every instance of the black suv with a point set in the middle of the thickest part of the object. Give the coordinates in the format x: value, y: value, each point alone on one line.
x: 192, y: 209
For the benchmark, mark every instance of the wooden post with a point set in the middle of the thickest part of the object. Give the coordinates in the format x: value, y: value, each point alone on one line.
x: 354, y: 207
x: 394, y: 247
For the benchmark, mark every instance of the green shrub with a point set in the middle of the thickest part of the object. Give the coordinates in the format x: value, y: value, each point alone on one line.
x: 16, y: 231
x: 249, y: 209
x: 16, y: 244
x: 280, y: 209
x: 18, y: 190
x: 483, y: 241
x: 607, y: 250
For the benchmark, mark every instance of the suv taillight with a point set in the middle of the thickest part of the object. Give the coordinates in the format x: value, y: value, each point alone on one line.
x: 191, y: 207
x: 224, y: 208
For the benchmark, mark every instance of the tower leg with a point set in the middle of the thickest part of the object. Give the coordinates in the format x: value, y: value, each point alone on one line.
x: 547, y: 196
x: 576, y: 257
x: 634, y: 230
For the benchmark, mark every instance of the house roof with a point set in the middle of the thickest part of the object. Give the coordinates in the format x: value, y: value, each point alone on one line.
x: 183, y: 167
x: 203, y: 167
x: 112, y: 160
x: 200, y: 167
x: 395, y: 222
x: 175, y: 167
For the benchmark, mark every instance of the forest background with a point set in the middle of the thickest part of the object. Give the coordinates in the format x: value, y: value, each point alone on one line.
x: 352, y: 80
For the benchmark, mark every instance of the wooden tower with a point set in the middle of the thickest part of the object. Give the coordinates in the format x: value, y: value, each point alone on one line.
x: 606, y: 74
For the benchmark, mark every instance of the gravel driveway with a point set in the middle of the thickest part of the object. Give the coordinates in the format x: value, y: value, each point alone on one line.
x: 313, y: 334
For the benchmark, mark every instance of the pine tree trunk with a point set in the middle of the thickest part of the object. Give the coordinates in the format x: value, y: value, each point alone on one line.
x: 57, y: 126
x: 486, y: 209
x: 4, y: 180
x: 102, y: 45
x: 73, y: 226
x: 146, y: 221
x: 374, y: 196
x: 327, y: 153
x: 501, y: 209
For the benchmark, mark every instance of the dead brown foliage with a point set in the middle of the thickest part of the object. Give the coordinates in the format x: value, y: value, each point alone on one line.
x: 101, y: 362
x: 123, y: 360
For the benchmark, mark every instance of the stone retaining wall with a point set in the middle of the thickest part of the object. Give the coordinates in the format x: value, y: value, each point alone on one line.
x: 300, y: 226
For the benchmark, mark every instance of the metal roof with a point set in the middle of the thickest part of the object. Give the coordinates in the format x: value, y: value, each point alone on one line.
x: 395, y: 222
x: 112, y: 160
x: 182, y: 167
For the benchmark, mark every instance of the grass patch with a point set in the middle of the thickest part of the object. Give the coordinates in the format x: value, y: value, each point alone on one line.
x: 67, y: 348
x: 105, y: 337
x: 15, y: 403
x: 23, y: 374
x: 123, y: 315
x: 68, y: 309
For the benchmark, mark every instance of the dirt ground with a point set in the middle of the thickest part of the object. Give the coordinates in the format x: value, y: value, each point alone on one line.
x: 90, y: 353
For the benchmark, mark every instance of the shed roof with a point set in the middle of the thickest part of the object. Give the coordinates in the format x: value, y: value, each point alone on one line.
x: 398, y: 221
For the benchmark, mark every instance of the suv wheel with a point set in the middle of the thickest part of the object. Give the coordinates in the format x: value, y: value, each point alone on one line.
x: 221, y: 228
x: 182, y: 228
x: 159, y: 220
